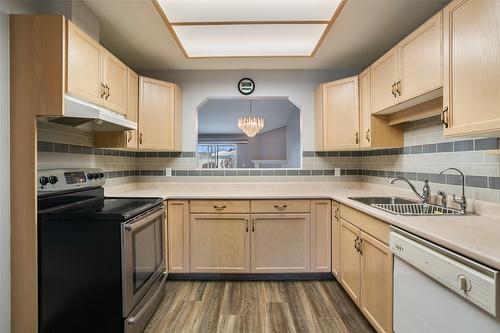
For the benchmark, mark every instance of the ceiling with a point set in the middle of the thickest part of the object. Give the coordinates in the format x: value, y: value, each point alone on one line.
x: 364, y: 30
x: 220, y: 116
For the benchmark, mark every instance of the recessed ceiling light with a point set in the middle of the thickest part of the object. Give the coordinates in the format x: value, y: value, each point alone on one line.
x: 260, y: 28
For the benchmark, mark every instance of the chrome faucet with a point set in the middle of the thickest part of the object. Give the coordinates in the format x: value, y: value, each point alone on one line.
x: 444, y: 197
x: 426, y: 192
x: 462, y: 201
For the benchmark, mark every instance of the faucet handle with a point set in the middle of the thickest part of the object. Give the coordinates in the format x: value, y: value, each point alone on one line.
x: 444, y: 197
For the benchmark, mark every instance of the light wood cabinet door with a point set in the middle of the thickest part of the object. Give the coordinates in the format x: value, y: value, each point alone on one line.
x: 220, y: 243
x: 321, y: 231
x: 280, y: 243
x: 336, y: 241
x: 341, y: 114
x: 365, y: 115
x: 384, y: 77
x: 421, y: 60
x: 132, y: 107
x: 471, y: 67
x: 116, y: 83
x: 157, y: 114
x: 178, y: 236
x: 350, y: 262
x: 376, y: 283
x: 84, y: 66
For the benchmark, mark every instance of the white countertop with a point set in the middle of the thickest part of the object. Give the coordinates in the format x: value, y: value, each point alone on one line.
x: 474, y: 236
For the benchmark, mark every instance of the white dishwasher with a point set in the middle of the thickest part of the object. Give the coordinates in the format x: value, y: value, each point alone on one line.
x: 438, y: 291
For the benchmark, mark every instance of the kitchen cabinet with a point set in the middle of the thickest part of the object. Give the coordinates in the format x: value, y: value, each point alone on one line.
x: 84, y: 66
x: 376, y: 282
x: 337, y: 115
x: 160, y: 118
x: 280, y: 243
x: 281, y: 206
x: 220, y: 206
x: 384, y: 78
x: 350, y: 265
x: 178, y: 236
x: 93, y: 73
x: 366, y: 266
x: 375, y: 131
x: 411, y: 72
x: 115, y: 78
x: 220, y: 243
x: 127, y: 139
x: 471, y: 96
x: 321, y: 224
x: 335, y: 240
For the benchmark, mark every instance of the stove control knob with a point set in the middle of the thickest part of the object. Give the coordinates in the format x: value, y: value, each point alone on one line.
x: 101, y: 175
x: 44, y: 180
x: 90, y: 176
x: 96, y: 176
x: 53, y: 180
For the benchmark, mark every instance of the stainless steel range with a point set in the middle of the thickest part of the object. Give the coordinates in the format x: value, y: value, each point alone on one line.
x: 101, y: 263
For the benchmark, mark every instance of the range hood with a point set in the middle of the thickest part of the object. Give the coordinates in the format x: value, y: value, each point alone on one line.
x: 91, y: 117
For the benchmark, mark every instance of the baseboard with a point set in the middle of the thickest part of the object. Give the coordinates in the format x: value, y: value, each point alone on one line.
x: 251, y: 277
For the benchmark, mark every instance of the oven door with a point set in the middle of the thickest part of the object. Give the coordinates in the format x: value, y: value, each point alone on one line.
x: 143, y: 256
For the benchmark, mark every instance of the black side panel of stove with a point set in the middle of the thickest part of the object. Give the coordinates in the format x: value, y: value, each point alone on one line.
x: 79, y: 276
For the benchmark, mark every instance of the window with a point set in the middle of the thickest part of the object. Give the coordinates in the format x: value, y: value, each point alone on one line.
x: 217, y: 156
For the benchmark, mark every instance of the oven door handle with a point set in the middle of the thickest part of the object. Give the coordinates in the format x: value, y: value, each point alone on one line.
x: 133, y: 319
x: 142, y: 221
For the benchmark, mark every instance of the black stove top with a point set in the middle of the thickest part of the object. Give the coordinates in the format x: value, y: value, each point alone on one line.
x: 91, y: 204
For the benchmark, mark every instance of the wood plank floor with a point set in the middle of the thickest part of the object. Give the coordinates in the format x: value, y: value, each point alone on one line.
x: 255, y: 306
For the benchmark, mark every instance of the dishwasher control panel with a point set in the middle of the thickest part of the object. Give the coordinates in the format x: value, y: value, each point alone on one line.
x: 473, y: 281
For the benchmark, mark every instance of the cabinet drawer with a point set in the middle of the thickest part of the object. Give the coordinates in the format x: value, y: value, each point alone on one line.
x: 220, y: 206
x: 281, y: 206
x: 370, y: 225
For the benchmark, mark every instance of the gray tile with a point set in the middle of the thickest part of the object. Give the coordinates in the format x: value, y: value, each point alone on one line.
x: 61, y: 148
x: 453, y: 180
x: 107, y: 152
x: 430, y: 148
x: 329, y: 172
x: 151, y: 154
x: 400, y: 174
x: 304, y: 172
x: 230, y: 173
x: 267, y: 172
x: 188, y: 154
x: 243, y: 173
x: 280, y: 172
x: 140, y: 154
x: 416, y: 149
x: 345, y: 153
x: 116, y: 153
x: 255, y: 172
x: 437, y: 178
x: 123, y: 153
x: 75, y: 149
x: 320, y: 154
x: 181, y: 173
x: 476, y: 181
x: 411, y: 175
x: 163, y: 154
x: 218, y: 173
x: 45, y: 146
x: 292, y: 172
x: 175, y: 154
x: 390, y: 174
x: 494, y: 183
x: 445, y: 147
x: 317, y: 172
x: 193, y: 173
x: 423, y: 176
x: 486, y: 144
x: 206, y: 173
x: 332, y: 154
x: 307, y: 153
x: 98, y: 152
x: 464, y: 145
x: 146, y: 173
x: 87, y: 150
x: 119, y: 174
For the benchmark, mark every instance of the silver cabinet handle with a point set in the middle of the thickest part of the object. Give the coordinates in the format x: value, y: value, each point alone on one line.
x: 368, y: 135
x: 280, y: 207
x: 216, y: 207
x: 130, y: 138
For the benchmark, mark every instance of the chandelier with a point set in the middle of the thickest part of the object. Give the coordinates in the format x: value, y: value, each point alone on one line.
x: 250, y: 125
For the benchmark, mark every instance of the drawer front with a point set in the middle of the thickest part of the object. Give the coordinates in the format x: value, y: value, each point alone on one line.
x: 220, y: 206
x: 370, y: 225
x: 281, y: 206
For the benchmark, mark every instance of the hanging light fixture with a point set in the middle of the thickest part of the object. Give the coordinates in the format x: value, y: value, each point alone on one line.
x: 251, y: 126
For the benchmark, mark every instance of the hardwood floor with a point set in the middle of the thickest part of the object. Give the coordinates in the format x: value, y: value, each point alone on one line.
x: 255, y: 306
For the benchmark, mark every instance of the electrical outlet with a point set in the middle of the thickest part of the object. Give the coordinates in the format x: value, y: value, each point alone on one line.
x: 168, y: 172
x: 337, y: 172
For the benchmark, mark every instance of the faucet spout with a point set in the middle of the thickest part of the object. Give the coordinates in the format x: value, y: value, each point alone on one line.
x: 424, y: 197
x: 462, y: 202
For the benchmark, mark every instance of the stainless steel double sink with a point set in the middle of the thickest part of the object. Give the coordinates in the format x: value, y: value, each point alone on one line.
x: 406, y: 207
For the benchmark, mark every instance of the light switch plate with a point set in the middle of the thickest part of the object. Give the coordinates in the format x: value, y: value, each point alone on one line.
x: 337, y: 172
x: 168, y: 172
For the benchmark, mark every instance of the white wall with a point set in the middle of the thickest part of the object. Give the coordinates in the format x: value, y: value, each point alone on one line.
x: 293, y: 153
x: 299, y: 85
x: 4, y: 170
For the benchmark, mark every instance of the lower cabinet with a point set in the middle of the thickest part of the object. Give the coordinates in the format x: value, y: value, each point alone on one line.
x: 366, y: 267
x: 376, y: 282
x: 220, y: 243
x: 178, y: 236
x: 350, y: 266
x: 280, y: 243
x: 321, y: 235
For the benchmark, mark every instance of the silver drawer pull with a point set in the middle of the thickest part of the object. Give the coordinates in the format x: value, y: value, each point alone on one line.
x: 280, y: 207
x: 216, y: 207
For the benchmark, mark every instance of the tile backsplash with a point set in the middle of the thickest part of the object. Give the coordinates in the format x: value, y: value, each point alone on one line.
x: 424, y: 155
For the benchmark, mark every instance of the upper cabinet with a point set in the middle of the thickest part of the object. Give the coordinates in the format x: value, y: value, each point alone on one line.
x: 94, y: 74
x: 160, y: 118
x: 84, y: 66
x: 471, y: 97
x: 411, y: 72
x: 337, y: 114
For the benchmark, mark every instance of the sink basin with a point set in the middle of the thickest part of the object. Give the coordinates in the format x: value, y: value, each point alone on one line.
x: 382, y: 200
x: 400, y: 206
